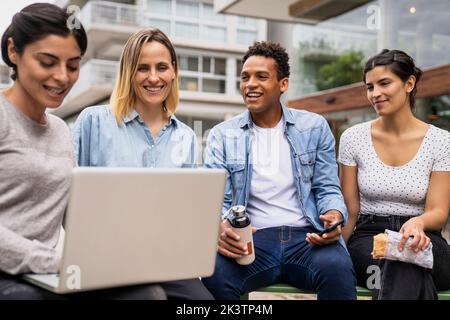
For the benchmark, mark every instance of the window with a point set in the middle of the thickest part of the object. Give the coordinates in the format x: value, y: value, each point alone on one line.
x: 163, y: 25
x: 209, y: 14
x: 214, y: 33
x: 187, y: 19
x: 213, y: 25
x: 160, y: 6
x: 239, y: 65
x: 213, y: 85
x: 105, y: 13
x: 247, y: 30
x: 127, y: 16
x: 188, y: 63
x: 186, y: 30
x: 246, y: 36
x: 207, y: 64
x: 220, y: 66
x: 187, y: 9
x: 214, y: 65
x: 210, y: 78
x: 188, y: 83
x: 245, y: 21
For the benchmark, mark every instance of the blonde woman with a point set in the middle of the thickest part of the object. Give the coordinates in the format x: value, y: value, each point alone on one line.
x: 138, y: 128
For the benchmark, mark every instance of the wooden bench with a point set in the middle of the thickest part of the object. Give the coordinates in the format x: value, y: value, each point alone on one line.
x: 360, y: 291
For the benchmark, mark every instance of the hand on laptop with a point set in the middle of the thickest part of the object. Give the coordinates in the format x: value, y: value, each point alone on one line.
x: 229, y: 243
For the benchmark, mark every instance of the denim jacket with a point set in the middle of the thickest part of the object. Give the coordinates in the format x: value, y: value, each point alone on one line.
x: 312, y: 154
x: 100, y: 141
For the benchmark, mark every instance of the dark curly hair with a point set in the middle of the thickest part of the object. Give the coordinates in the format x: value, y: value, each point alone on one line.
x: 399, y: 63
x: 272, y: 50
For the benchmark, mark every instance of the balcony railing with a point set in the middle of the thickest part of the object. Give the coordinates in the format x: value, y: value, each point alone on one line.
x: 111, y: 13
x: 128, y: 18
x: 103, y: 71
x: 95, y: 83
x: 95, y: 72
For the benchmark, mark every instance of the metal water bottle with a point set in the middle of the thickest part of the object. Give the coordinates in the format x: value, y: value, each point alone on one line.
x: 240, y: 222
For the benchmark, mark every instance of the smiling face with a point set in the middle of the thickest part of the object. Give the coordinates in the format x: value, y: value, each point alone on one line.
x: 260, y: 86
x: 386, y: 91
x: 154, y: 76
x: 47, y: 69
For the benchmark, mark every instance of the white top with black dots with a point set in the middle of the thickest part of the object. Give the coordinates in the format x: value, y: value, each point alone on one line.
x: 386, y: 190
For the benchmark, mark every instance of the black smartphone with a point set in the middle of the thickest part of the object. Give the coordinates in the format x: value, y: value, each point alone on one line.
x: 331, y: 228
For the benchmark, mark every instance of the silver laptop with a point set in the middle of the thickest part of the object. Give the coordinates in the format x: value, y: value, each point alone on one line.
x: 128, y: 226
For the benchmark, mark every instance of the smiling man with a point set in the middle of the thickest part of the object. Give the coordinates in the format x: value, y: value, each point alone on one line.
x: 281, y: 166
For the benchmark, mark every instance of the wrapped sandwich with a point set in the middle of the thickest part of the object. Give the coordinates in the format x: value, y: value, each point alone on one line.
x: 385, y: 246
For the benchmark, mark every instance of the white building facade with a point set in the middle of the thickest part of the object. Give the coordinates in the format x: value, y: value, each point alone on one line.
x: 209, y: 48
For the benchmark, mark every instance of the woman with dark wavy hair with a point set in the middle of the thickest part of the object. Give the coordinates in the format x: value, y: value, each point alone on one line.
x: 395, y: 174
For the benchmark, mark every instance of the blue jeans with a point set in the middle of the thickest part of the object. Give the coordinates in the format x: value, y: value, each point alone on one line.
x: 283, y: 255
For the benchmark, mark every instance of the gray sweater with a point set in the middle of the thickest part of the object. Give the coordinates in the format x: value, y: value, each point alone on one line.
x: 35, y: 165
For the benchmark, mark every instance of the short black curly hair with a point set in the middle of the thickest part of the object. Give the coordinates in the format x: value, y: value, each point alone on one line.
x: 272, y: 50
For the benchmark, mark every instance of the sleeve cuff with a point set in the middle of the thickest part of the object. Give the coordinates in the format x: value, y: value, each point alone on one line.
x: 339, y: 206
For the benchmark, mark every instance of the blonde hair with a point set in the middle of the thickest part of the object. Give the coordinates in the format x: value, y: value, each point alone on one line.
x: 123, y: 97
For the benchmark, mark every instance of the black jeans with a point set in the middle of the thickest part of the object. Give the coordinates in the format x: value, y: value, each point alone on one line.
x: 14, y: 288
x: 403, y: 280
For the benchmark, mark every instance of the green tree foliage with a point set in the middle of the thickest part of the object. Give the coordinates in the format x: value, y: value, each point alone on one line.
x: 345, y: 69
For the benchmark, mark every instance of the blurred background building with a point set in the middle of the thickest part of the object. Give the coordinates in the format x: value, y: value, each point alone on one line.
x: 209, y: 46
x: 329, y: 40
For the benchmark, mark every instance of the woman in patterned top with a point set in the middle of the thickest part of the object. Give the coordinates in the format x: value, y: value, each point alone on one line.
x: 395, y: 174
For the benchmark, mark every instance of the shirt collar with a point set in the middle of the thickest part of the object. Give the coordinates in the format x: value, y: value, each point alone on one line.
x: 134, y: 115
x: 246, y: 120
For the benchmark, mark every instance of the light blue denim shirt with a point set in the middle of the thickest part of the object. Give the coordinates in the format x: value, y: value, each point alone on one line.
x: 312, y: 154
x: 100, y: 141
